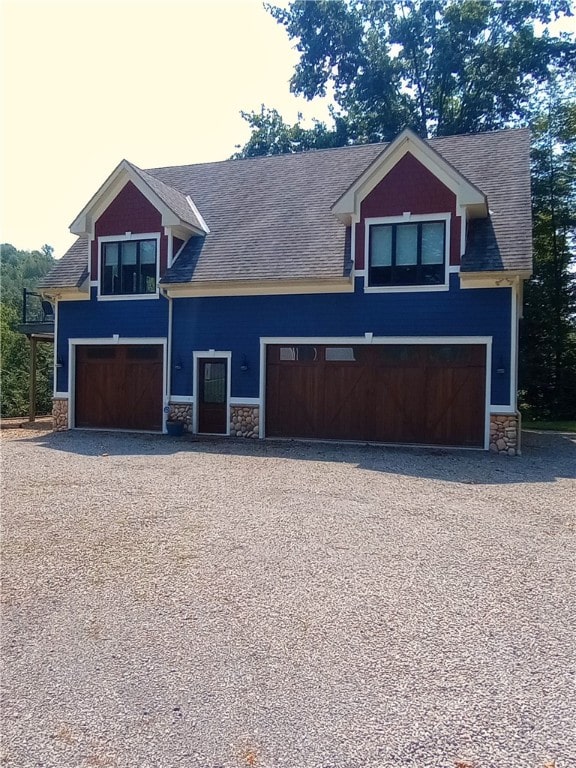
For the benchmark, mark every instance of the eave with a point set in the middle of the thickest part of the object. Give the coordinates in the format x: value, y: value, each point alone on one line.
x: 495, y: 279
x: 66, y: 293
x: 257, y: 287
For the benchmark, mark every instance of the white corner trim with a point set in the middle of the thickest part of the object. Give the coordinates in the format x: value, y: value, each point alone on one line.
x: 55, y: 351
x: 514, y: 323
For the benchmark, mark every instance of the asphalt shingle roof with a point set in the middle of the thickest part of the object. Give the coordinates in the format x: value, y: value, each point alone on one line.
x: 270, y: 217
x: 71, y: 270
x: 172, y: 197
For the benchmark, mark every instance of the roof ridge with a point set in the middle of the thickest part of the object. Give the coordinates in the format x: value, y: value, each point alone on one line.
x: 347, y: 147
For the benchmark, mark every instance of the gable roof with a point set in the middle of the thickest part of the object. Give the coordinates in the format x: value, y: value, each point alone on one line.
x: 174, y: 206
x: 270, y: 218
x: 466, y: 193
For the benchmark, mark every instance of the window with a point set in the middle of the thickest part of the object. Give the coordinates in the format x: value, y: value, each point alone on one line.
x: 411, y: 253
x: 338, y: 354
x: 306, y: 354
x: 128, y: 267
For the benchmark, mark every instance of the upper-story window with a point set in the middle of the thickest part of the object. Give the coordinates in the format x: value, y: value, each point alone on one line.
x: 411, y: 253
x: 128, y: 267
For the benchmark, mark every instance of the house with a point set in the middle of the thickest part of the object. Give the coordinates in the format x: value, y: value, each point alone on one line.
x: 367, y: 293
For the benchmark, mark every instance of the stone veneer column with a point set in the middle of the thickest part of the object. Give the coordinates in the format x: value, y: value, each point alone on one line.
x: 505, y: 433
x: 59, y: 414
x: 181, y: 412
x: 244, y: 420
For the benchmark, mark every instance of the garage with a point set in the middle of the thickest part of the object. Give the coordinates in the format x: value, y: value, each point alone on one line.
x: 119, y: 386
x: 428, y: 394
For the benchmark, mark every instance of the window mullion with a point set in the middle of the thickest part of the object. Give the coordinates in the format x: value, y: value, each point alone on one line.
x: 393, y: 255
x: 419, y: 253
x: 120, y: 266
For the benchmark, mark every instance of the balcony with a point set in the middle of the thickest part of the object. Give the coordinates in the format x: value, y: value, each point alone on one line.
x: 37, y: 316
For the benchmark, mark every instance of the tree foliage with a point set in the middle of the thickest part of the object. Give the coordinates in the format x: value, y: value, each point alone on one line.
x: 548, y: 340
x: 442, y: 67
x: 18, y: 270
x: 272, y: 136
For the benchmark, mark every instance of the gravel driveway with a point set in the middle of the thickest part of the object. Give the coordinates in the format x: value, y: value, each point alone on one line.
x: 170, y: 602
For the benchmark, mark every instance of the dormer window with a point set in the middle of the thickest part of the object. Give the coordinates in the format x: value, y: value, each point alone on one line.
x: 407, y: 252
x: 129, y: 267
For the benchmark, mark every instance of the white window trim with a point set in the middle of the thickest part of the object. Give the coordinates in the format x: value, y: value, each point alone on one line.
x: 121, y: 238
x: 369, y: 338
x: 215, y: 354
x: 115, y: 339
x: 406, y: 219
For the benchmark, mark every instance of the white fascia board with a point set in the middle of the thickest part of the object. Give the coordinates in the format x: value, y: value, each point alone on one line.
x: 82, y: 224
x: 467, y: 194
x: 504, y: 279
x: 198, y: 215
x: 257, y: 287
x: 66, y: 294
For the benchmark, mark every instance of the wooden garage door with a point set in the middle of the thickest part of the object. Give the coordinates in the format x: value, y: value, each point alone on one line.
x: 119, y: 386
x: 401, y: 393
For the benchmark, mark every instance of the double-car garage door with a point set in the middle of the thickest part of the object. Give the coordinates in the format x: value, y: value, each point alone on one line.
x: 428, y: 394
x: 119, y: 386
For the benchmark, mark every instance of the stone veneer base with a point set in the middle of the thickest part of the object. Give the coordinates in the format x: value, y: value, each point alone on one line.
x: 183, y: 413
x: 505, y: 433
x: 59, y: 414
x: 244, y: 421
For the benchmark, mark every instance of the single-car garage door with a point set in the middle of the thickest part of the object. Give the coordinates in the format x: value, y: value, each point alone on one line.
x: 119, y: 386
x: 429, y: 394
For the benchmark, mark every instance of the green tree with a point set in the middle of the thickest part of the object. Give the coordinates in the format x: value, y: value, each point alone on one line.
x: 272, y: 136
x: 18, y: 270
x: 548, y: 337
x: 439, y: 66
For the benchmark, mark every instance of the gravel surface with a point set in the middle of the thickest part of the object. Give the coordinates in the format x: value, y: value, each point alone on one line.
x: 176, y: 602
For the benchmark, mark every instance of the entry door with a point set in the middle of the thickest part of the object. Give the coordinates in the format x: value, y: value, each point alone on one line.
x: 213, y: 395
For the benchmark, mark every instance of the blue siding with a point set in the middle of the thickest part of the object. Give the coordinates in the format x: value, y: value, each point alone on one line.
x: 236, y: 324
x: 102, y: 319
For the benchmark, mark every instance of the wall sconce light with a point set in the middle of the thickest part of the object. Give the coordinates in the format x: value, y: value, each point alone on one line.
x: 178, y: 365
x: 59, y: 362
x: 244, y: 364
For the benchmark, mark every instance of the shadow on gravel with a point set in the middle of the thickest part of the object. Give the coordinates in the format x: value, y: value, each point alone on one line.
x: 546, y: 457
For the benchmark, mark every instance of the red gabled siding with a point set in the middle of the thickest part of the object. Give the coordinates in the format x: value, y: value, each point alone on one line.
x: 130, y: 211
x: 409, y: 186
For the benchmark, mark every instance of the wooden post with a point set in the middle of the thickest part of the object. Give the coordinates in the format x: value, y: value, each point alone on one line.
x: 32, y: 397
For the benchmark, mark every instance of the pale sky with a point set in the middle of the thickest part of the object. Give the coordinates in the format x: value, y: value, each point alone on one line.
x: 86, y: 83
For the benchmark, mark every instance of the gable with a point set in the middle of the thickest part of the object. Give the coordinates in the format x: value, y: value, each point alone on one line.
x: 130, y: 211
x: 408, y: 187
